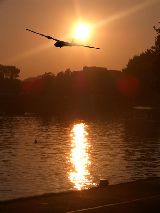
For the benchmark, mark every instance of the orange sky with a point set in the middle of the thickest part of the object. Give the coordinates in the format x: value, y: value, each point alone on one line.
x: 122, y: 29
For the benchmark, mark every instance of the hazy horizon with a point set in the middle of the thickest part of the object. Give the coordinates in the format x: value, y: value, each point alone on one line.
x: 120, y: 30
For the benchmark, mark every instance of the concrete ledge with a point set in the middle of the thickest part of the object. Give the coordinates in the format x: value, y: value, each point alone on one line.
x: 140, y: 196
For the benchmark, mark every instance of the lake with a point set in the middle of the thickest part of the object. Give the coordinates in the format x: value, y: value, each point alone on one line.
x: 41, y: 155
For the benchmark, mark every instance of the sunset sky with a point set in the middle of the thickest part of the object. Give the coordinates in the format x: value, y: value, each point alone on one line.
x: 120, y: 28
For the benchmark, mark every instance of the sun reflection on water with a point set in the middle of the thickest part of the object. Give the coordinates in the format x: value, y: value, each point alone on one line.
x: 79, y: 157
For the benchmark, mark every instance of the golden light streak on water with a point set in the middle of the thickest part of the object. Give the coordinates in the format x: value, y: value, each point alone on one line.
x: 79, y: 157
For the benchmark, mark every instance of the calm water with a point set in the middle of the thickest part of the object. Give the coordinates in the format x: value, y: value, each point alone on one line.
x: 73, y: 155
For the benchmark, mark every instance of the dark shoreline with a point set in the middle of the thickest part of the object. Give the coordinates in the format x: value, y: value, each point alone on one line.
x: 74, y: 200
x: 74, y: 191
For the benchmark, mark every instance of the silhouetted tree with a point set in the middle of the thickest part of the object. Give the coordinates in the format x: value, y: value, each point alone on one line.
x: 146, y: 68
x: 156, y: 47
x: 10, y: 89
x: 10, y: 72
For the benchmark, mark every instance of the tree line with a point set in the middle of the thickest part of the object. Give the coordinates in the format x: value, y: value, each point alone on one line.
x: 91, y: 90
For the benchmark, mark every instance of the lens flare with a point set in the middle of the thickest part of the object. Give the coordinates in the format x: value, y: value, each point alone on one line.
x: 122, y: 14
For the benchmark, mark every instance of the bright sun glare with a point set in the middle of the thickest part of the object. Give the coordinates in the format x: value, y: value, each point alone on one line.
x: 82, y: 31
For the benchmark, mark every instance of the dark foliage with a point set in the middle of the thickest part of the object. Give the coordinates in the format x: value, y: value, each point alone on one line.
x: 146, y: 68
x: 10, y: 88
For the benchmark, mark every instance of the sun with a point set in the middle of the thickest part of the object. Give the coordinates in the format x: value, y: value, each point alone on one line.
x: 82, y: 31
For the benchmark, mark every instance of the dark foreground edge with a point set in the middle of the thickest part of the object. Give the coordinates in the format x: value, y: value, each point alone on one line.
x: 137, y: 196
